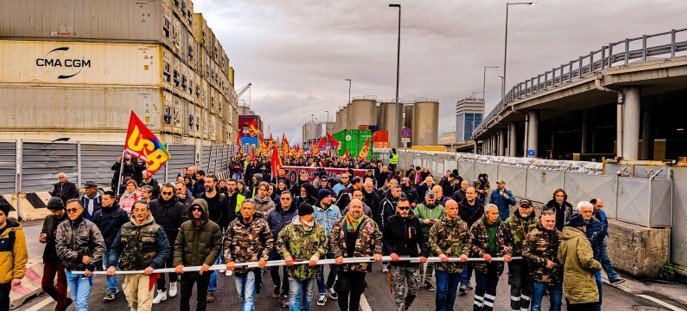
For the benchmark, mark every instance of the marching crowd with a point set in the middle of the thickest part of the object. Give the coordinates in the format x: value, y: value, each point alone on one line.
x: 200, y: 220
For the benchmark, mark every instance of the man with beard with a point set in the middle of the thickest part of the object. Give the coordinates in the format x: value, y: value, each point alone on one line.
x: 277, y: 220
x: 109, y: 220
x: 52, y: 266
x: 199, y: 185
x: 185, y: 196
x: 141, y: 244
x: 326, y: 214
x: 429, y: 213
x: 354, y: 235
x: 234, y: 199
x: 403, y: 236
x: 371, y: 198
x: 199, y: 243
x: 409, y: 191
x: 169, y: 213
x: 521, y: 223
x: 218, y: 212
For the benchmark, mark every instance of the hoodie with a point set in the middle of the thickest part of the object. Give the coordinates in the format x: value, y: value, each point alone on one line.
x: 13, y: 254
x: 197, y: 244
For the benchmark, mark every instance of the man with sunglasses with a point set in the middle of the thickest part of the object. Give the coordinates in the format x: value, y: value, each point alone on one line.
x: 169, y: 213
x: 184, y: 195
x: 429, y: 213
x: 109, y: 220
x: 403, y: 236
x: 277, y: 220
x: 81, y: 247
x: 199, y: 243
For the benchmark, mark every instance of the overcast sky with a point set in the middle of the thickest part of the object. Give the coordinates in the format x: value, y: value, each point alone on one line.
x: 297, y: 53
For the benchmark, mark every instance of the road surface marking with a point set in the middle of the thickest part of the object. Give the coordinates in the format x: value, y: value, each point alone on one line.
x: 363, y: 303
x: 663, y: 303
x: 38, y: 306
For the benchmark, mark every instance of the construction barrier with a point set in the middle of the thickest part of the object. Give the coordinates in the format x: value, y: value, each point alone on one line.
x: 30, y: 284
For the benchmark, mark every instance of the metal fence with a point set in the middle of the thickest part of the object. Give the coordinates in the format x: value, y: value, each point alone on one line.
x: 621, y: 53
x: 33, y: 166
x: 645, y: 201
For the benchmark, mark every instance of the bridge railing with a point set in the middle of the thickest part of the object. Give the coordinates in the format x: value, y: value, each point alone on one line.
x: 621, y: 53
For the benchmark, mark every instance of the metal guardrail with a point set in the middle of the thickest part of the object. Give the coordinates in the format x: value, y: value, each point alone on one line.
x: 595, y: 61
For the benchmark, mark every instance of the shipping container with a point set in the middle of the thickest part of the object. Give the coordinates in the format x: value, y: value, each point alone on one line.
x: 372, y: 128
x: 381, y: 136
x: 353, y: 140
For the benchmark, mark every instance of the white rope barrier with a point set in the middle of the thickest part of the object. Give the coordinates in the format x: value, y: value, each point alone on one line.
x: 299, y: 262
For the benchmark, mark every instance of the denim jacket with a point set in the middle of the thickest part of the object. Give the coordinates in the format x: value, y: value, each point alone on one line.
x: 326, y: 217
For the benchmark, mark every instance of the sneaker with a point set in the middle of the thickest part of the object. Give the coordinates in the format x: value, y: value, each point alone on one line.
x: 161, y: 296
x: 462, y: 289
x: 108, y: 297
x: 284, y: 302
x: 275, y: 293
x: 172, y: 289
x: 210, y: 298
x: 429, y: 286
x: 469, y: 286
x: 332, y: 294
x: 385, y: 268
x: 618, y: 281
x: 322, y: 300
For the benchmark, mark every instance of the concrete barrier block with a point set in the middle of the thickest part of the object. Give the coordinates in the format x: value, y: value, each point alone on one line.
x: 30, y: 284
x: 638, y: 251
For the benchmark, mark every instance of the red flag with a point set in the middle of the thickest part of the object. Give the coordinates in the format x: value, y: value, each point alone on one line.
x: 275, y: 162
x: 252, y: 154
x: 322, y: 144
x: 332, y: 140
x: 238, y: 138
x: 143, y: 144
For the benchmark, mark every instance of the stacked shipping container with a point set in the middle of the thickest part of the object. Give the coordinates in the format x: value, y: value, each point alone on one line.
x: 353, y: 140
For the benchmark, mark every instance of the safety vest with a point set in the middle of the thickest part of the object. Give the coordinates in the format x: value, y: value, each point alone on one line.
x: 239, y: 202
x: 394, y: 159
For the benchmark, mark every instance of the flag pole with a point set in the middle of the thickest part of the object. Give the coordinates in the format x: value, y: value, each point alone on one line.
x: 121, y: 172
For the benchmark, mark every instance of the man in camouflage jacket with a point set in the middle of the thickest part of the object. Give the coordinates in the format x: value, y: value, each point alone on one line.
x: 354, y: 235
x: 540, y: 249
x: 302, y: 239
x: 449, y: 237
x: 490, y: 237
x: 247, y: 239
x: 522, y: 222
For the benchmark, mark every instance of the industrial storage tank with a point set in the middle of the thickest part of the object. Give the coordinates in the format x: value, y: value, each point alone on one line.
x: 310, y: 131
x: 425, y: 123
x: 362, y: 112
x: 337, y: 125
x: 344, y: 118
x: 391, y: 120
x: 408, y: 115
x: 379, y: 115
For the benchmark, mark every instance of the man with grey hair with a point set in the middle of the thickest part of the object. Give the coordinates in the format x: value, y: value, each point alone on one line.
x: 64, y: 189
x: 595, y: 235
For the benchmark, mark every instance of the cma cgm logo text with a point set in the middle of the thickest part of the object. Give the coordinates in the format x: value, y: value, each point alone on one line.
x: 47, y: 61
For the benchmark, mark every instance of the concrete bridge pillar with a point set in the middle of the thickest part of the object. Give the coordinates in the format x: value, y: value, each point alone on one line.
x: 631, y: 119
x: 532, y: 133
x: 513, y: 139
x: 585, y: 131
x: 502, y: 142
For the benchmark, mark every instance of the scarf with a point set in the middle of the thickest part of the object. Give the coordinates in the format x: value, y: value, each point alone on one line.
x: 353, y: 223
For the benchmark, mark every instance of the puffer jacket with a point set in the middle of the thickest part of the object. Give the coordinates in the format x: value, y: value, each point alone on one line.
x: 301, y: 244
x: 479, y: 238
x: 264, y: 206
x: 519, y: 228
x: 278, y: 218
x: 13, y: 254
x: 198, y: 244
x: 49, y: 228
x: 577, y: 259
x: 77, y: 238
x: 168, y: 214
x: 109, y: 220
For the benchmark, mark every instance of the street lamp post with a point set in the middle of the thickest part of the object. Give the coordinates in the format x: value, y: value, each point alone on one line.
x: 484, y: 83
x: 505, y: 49
x: 327, y: 116
x: 349, y: 89
x: 398, y: 50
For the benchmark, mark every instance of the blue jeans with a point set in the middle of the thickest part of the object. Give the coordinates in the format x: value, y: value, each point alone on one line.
x: 606, y: 261
x: 447, y: 286
x: 212, y: 287
x: 331, y: 277
x: 599, y: 284
x: 245, y: 285
x: 111, y: 280
x: 555, y: 296
x: 80, y: 288
x: 466, y: 275
x: 300, y: 294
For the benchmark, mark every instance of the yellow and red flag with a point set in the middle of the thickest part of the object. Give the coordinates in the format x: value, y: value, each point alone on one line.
x: 313, y: 147
x: 365, y: 150
x: 143, y: 144
x: 252, y: 154
x: 346, y: 155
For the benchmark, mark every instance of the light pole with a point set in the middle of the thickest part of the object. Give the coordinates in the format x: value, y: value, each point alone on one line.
x: 398, y: 50
x: 349, y: 89
x: 484, y: 83
x: 327, y: 116
x: 505, y: 49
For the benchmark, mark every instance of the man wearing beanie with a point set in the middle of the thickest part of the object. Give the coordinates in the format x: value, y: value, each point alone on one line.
x: 326, y: 214
x: 13, y: 252
x: 302, y: 239
x: 576, y: 257
x: 199, y: 243
x: 52, y: 265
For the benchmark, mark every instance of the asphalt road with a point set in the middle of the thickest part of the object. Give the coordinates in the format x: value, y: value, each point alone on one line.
x: 377, y: 295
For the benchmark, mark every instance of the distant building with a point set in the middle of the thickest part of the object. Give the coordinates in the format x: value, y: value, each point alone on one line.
x: 447, y: 139
x: 469, y: 112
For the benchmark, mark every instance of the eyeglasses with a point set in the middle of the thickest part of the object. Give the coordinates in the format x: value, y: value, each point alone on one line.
x: 404, y: 208
x: 168, y: 193
x: 72, y: 210
x: 179, y: 189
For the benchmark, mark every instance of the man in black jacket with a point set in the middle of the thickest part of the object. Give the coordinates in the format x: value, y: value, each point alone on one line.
x: 169, y: 213
x: 199, y: 185
x: 403, y: 236
x: 372, y: 199
x: 219, y: 212
x: 52, y: 265
x: 470, y: 210
x: 64, y: 189
x: 109, y: 220
x: 410, y: 191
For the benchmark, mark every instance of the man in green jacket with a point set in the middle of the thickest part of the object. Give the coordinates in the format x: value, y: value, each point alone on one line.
x: 522, y: 222
x: 198, y: 243
x: 576, y: 256
x: 429, y: 213
x: 302, y: 239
